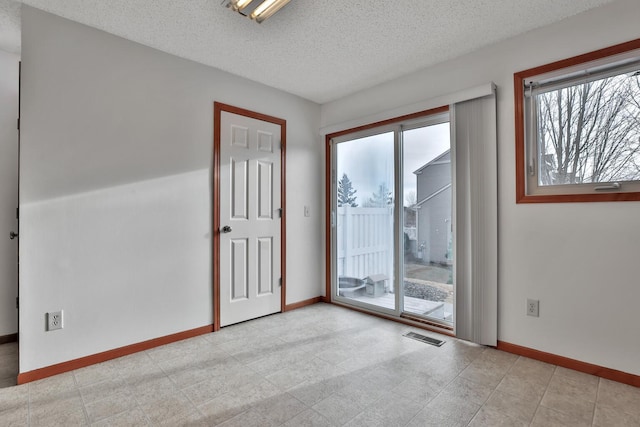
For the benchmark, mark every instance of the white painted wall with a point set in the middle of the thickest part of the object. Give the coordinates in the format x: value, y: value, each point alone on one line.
x: 579, y: 260
x: 117, y: 141
x: 8, y: 192
x: 126, y: 263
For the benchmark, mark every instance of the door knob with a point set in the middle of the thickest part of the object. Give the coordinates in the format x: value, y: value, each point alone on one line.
x: 12, y: 235
x: 226, y: 229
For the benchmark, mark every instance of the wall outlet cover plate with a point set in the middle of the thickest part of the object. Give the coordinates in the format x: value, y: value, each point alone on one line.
x: 533, y: 307
x: 54, y: 320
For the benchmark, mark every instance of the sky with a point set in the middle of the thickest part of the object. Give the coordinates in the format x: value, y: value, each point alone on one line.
x: 368, y: 162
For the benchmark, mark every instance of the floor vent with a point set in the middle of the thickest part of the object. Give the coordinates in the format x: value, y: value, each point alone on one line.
x: 423, y: 338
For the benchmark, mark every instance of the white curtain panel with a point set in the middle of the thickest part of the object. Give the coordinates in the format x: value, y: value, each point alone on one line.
x: 474, y: 147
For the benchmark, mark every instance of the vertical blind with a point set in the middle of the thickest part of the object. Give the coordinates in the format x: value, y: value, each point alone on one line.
x: 474, y: 147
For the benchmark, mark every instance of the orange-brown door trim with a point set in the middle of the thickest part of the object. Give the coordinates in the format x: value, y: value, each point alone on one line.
x: 218, y: 108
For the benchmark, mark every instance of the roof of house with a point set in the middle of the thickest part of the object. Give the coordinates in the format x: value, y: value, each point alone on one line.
x: 435, y: 161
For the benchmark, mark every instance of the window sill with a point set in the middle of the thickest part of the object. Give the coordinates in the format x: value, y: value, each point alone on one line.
x: 577, y: 198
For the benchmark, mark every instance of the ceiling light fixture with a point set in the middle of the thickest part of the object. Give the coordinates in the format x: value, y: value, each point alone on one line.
x: 258, y: 10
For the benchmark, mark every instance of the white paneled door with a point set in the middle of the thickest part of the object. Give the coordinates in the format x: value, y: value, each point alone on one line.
x: 250, y: 218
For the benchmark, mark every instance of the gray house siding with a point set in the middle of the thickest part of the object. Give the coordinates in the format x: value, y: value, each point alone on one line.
x: 434, y: 210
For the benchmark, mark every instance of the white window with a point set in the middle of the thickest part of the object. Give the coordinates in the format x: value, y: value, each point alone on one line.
x: 579, y: 128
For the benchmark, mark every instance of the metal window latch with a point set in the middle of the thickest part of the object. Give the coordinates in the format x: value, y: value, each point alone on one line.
x: 612, y: 186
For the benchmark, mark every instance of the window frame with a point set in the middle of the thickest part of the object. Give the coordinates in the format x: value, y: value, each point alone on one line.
x: 522, y: 196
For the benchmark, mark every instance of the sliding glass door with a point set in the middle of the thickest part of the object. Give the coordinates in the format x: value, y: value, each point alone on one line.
x: 392, y: 243
x: 364, y: 219
x: 428, y: 237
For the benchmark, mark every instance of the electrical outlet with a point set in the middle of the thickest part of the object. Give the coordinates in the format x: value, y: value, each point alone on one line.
x: 54, y: 320
x: 533, y: 306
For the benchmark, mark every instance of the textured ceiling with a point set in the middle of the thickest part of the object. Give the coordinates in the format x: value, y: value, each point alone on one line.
x: 10, y: 26
x: 318, y: 49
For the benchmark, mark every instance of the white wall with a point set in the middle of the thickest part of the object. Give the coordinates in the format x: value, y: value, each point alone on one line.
x: 126, y: 264
x: 8, y: 192
x: 579, y: 260
x: 115, y: 167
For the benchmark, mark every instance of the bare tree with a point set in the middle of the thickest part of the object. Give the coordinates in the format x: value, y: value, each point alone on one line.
x: 590, y: 132
x: 635, y: 99
x: 410, y: 199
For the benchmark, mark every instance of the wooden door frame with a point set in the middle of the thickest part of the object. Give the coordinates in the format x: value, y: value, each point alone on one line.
x: 218, y: 108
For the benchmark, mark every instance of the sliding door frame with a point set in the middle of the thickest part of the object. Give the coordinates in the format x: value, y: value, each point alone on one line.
x: 397, y: 125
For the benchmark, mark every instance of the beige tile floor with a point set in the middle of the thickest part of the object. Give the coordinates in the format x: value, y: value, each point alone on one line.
x: 8, y: 364
x: 319, y: 366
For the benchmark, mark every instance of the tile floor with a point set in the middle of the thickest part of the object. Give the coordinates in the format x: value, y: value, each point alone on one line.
x: 8, y: 365
x: 319, y: 366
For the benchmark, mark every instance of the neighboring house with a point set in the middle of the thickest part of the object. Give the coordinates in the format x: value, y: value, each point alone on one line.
x: 410, y: 230
x: 434, y: 210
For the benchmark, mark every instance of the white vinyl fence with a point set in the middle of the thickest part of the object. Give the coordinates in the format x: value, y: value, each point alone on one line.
x: 365, y: 242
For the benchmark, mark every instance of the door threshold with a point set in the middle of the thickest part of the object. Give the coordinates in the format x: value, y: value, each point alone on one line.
x: 432, y: 323
x: 409, y: 320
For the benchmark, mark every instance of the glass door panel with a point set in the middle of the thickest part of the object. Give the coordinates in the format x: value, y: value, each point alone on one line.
x: 364, y: 210
x: 427, y: 190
